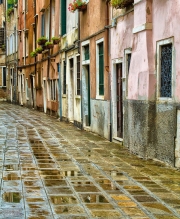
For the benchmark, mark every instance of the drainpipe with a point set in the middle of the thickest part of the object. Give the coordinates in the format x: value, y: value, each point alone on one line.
x: 60, y: 93
x: 79, y: 51
x: 108, y: 43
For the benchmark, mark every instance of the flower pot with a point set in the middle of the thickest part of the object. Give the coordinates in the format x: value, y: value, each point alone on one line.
x: 42, y: 42
x: 56, y: 41
x: 82, y: 7
x: 49, y: 46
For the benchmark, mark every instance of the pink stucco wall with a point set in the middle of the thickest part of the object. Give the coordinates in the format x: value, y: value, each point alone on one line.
x: 164, y: 15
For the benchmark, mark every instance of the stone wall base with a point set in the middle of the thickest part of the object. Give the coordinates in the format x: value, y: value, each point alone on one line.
x: 150, y: 129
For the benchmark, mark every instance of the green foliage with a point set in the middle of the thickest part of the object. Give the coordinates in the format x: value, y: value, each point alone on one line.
x: 39, y: 49
x: 33, y: 54
x: 42, y: 38
x: 55, y: 38
x: 121, y: 3
x: 48, y: 43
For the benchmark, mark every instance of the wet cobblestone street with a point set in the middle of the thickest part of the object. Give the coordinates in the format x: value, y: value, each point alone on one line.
x: 51, y: 169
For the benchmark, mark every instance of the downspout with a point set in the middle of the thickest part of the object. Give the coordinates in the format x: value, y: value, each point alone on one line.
x: 35, y: 39
x: 79, y: 51
x: 108, y: 43
x: 25, y: 35
x: 60, y: 93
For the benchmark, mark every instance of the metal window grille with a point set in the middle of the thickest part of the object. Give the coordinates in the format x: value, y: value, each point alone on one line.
x: 101, y: 69
x: 166, y: 71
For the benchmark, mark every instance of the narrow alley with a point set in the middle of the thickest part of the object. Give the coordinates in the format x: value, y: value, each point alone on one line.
x: 52, y: 170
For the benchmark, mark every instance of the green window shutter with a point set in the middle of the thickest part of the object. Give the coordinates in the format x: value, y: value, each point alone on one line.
x: 101, y: 69
x: 63, y: 17
x: 64, y: 79
x: 86, y: 52
x: 42, y: 25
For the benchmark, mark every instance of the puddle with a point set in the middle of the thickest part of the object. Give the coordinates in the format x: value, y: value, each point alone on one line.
x: 11, y: 167
x: 11, y: 176
x: 55, y: 183
x: 59, y: 200
x: 12, y: 197
x: 86, y: 188
x: 93, y: 198
x: 71, y: 209
x: 58, y: 191
x: 46, y: 166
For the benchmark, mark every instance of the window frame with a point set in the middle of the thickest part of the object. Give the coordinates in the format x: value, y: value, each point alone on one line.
x: 159, y: 44
x: 98, y: 95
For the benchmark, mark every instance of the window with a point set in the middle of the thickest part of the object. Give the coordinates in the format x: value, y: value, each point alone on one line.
x: 101, y: 69
x: 42, y: 25
x: 71, y: 65
x: 4, y: 76
x: 47, y: 23
x: 64, y: 78
x: 1, y: 1
x: 78, y: 88
x: 166, y: 71
x: 2, y: 37
x: 53, y: 89
x: 127, y: 61
x: 86, y: 52
x: 63, y: 17
x: 53, y: 19
x: 165, y: 68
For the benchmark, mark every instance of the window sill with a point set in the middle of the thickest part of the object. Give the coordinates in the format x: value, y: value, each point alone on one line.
x: 165, y: 99
x: 98, y: 97
x: 77, y: 97
x: 64, y: 96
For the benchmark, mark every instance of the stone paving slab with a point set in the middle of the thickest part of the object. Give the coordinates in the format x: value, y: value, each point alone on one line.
x: 52, y: 170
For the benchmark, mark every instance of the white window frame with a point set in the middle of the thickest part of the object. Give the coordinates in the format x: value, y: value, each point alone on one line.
x: 83, y: 44
x: 125, y: 72
x: 100, y: 97
x: 27, y: 96
x: 158, y: 68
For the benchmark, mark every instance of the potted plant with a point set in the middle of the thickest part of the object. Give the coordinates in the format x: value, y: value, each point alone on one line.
x: 39, y: 50
x: 121, y: 3
x: 81, y: 5
x: 9, y: 11
x: 55, y: 40
x: 49, y: 45
x: 33, y: 54
x: 3, y: 48
x: 42, y: 40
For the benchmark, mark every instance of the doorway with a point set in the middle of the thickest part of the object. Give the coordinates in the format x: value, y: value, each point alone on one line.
x: 45, y: 95
x: 119, y: 98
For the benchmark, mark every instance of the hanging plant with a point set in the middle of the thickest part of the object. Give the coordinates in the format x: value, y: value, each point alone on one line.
x: 39, y: 50
x: 33, y: 54
x: 42, y: 40
x: 49, y: 45
x: 55, y: 40
x: 121, y: 3
x: 77, y: 4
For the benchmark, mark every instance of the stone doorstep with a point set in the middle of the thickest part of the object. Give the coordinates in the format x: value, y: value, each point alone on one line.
x: 118, y: 140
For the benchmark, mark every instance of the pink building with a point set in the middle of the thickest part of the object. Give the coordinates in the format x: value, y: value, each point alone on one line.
x: 145, y: 73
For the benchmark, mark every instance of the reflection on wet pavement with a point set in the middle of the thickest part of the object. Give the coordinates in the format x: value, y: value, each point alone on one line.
x: 50, y: 169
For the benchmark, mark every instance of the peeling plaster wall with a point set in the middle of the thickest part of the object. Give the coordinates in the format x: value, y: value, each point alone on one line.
x: 100, y: 117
